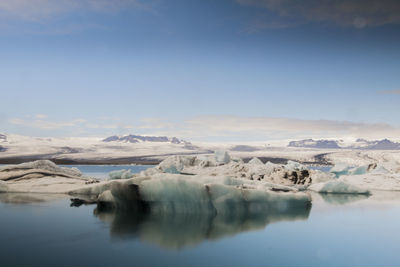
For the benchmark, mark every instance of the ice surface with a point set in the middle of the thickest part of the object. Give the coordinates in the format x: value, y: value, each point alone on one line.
x: 120, y: 174
x: 41, y: 176
x: 175, y: 164
x: 255, y: 161
x: 221, y: 156
x: 358, y: 170
x: 42, y: 165
x: 295, y: 166
x: 175, y: 193
x: 340, y: 169
x: 374, y: 181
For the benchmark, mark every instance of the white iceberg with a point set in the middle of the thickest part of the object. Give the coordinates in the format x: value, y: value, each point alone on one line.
x: 340, y: 169
x: 295, y: 166
x: 374, y: 181
x: 41, y: 176
x: 120, y: 174
x: 255, y: 161
x: 221, y: 156
x: 175, y: 193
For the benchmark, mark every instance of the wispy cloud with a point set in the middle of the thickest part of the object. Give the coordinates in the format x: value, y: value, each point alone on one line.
x: 41, y: 116
x: 221, y: 128
x: 42, y: 122
x: 42, y: 9
x: 46, y: 124
x: 266, y: 128
x: 354, y: 13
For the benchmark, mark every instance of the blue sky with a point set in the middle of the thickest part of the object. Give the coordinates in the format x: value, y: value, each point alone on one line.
x: 100, y: 67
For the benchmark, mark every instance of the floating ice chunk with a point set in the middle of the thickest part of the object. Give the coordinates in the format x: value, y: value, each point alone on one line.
x: 221, y: 156
x: 176, y: 193
x: 374, y: 181
x: 175, y: 164
x: 237, y: 159
x: 320, y: 177
x: 338, y: 187
x: 106, y: 196
x: 358, y: 170
x: 340, y: 169
x: 120, y: 174
x: 150, y: 172
x: 294, y: 166
x: 380, y: 170
x: 46, y: 165
x: 255, y: 161
x: 270, y: 167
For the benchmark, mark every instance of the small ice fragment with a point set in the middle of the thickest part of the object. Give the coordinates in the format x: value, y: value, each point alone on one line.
x: 340, y: 169
x: 120, y: 174
x: 221, y: 156
x: 255, y: 161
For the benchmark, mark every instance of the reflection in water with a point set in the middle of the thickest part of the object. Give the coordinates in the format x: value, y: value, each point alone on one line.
x: 26, y: 198
x: 178, y: 230
x: 341, y: 199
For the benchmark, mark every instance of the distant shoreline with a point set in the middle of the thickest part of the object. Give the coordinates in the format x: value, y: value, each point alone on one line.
x: 144, y: 160
x: 116, y: 161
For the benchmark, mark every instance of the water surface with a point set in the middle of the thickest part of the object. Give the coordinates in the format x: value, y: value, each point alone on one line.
x: 338, y: 230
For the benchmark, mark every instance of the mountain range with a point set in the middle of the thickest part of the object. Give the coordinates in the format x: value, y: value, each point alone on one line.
x: 384, y: 144
x: 131, y: 138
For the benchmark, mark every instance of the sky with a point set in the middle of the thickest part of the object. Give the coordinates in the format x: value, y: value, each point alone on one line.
x: 226, y: 70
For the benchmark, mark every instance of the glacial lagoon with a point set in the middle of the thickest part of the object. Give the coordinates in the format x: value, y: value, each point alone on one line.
x: 337, y: 230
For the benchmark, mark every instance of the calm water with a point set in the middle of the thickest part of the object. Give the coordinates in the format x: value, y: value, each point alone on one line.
x: 338, y: 230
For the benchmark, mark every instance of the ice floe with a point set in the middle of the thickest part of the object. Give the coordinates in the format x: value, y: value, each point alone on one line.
x: 120, y: 174
x: 41, y: 176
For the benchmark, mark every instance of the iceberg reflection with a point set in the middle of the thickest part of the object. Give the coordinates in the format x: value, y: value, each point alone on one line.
x: 175, y: 231
x: 342, y: 199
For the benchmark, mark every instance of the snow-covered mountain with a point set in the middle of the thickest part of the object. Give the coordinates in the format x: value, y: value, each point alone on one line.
x: 310, y: 143
x: 90, y: 150
x: 140, y: 138
x: 383, y: 144
x: 3, y: 138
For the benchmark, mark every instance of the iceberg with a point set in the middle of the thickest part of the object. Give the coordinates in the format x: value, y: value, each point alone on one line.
x: 120, y: 174
x: 291, y: 174
x: 175, y: 164
x: 255, y: 161
x: 221, y: 156
x: 295, y: 166
x: 41, y: 176
x: 176, y: 193
x: 374, y: 181
x: 44, y: 167
x: 340, y: 169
